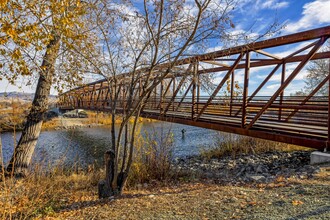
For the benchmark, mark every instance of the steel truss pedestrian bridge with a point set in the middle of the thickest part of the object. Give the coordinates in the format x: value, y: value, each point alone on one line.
x: 271, y: 67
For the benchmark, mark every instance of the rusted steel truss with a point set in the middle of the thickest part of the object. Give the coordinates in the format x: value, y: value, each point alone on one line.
x: 179, y: 98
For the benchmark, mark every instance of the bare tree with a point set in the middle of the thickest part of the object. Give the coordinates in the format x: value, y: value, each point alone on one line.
x: 139, y: 50
x: 317, y: 72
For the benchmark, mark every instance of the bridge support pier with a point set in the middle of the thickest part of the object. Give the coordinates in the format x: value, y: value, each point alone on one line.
x: 318, y: 157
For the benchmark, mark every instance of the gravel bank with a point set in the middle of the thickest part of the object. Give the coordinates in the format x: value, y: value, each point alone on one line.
x: 260, y: 168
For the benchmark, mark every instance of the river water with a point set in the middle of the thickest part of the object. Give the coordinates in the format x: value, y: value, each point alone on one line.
x: 85, y: 146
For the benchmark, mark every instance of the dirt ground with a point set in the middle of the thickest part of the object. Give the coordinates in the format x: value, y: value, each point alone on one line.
x: 283, y: 199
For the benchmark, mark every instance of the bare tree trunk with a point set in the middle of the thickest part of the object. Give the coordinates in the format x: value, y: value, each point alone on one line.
x: 30, y: 134
x: 1, y: 156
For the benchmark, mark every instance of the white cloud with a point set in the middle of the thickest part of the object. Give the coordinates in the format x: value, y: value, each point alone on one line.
x: 314, y: 14
x: 273, y: 86
x: 273, y: 4
x: 20, y: 86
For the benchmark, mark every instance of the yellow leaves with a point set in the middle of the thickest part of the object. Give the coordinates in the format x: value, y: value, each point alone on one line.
x: 12, y: 33
x: 2, y: 52
x: 23, y: 43
x: 38, y: 48
x: 3, y: 40
x: 9, y: 30
x: 16, y: 54
x: 297, y: 202
x: 3, y: 3
x: 24, y: 70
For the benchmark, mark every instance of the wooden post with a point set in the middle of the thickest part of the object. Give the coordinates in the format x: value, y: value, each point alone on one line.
x: 246, y: 89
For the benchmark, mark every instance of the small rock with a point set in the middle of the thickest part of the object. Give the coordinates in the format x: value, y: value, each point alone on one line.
x: 257, y: 178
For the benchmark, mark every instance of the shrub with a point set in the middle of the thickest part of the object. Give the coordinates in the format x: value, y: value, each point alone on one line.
x: 153, y: 158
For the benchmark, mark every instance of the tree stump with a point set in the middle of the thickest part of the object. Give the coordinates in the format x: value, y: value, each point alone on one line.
x: 104, y: 186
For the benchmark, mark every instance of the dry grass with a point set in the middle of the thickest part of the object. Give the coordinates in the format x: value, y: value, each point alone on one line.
x: 40, y: 194
x: 233, y: 145
x: 72, y: 196
x: 152, y: 159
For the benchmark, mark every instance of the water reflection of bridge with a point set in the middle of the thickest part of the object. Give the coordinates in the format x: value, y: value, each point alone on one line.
x: 301, y: 120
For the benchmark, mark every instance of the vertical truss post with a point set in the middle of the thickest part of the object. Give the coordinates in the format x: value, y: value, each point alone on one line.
x: 106, y: 99
x: 83, y: 100
x: 232, y: 87
x: 282, y: 93
x: 75, y: 100
x: 198, y: 91
x: 140, y: 87
x: 193, y: 97
x: 260, y: 86
x: 245, y: 89
x: 161, y: 97
x: 91, y: 97
x: 173, y: 100
x: 123, y: 98
x: 328, y: 141
x: 165, y: 92
x: 155, y: 98
x: 98, y: 95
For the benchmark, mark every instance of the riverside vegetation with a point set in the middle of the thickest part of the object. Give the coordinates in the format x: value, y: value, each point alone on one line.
x: 13, y: 115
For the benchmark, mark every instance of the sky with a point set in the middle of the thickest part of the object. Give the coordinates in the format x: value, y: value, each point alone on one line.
x: 294, y: 15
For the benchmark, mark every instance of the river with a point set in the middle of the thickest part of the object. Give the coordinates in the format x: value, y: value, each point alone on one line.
x: 83, y: 146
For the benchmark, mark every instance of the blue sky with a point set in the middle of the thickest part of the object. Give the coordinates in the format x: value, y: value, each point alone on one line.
x: 295, y: 15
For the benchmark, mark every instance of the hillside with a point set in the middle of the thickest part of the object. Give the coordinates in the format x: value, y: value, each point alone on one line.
x: 19, y: 95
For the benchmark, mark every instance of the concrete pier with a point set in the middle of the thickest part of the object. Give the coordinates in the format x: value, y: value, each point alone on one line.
x: 320, y: 157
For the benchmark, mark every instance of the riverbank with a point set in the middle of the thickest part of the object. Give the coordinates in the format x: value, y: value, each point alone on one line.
x: 60, y: 123
x: 189, y: 195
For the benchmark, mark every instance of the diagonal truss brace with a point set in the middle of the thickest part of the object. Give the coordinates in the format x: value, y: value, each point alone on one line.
x: 288, y: 80
x: 230, y: 71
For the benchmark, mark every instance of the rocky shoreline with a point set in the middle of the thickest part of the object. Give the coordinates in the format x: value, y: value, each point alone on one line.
x: 247, y: 169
